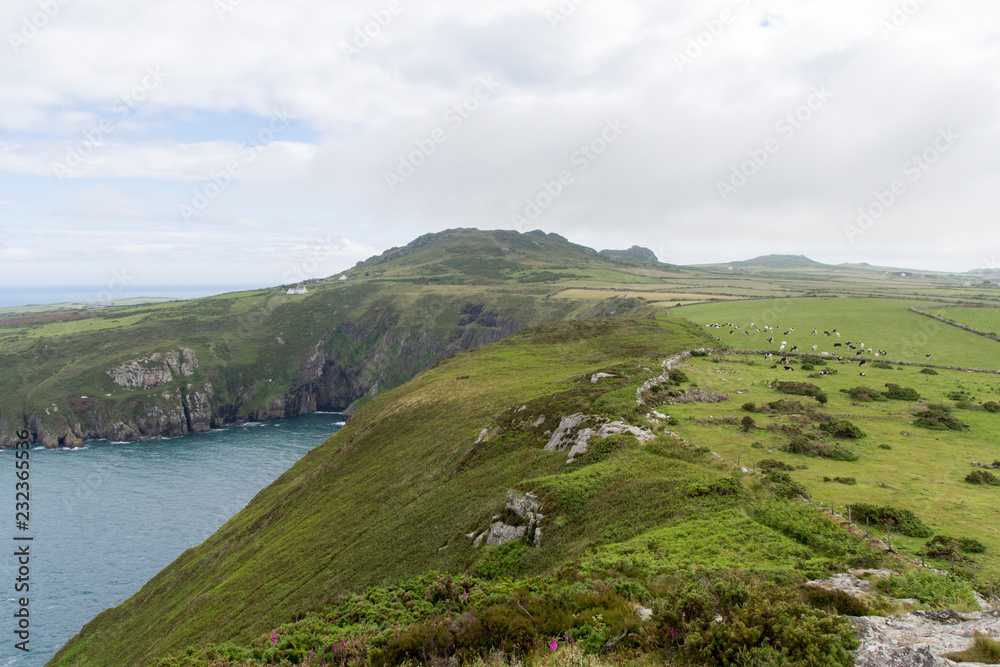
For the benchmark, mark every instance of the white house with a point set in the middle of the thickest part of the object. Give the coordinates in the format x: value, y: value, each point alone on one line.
x: 297, y: 290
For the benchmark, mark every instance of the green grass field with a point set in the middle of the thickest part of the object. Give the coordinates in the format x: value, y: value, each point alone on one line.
x: 920, y: 469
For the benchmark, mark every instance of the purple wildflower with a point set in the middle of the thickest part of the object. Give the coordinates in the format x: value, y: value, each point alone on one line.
x: 274, y: 637
x: 553, y: 645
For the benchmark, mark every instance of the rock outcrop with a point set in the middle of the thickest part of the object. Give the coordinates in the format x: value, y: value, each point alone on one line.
x: 520, y: 520
x: 920, y: 638
x: 155, y: 370
x: 572, y: 434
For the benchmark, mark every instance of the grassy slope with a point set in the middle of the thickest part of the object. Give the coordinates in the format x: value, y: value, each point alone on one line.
x: 923, y: 471
x: 880, y: 323
x: 378, y: 493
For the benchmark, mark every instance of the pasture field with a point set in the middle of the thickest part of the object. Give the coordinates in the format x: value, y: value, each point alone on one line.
x: 899, y: 463
x: 984, y: 319
x: 885, y: 324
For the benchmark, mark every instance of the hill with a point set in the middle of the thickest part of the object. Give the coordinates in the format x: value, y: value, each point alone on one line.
x: 777, y: 262
x: 187, y: 366
x: 339, y: 558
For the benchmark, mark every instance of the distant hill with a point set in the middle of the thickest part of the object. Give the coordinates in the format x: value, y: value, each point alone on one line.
x: 633, y: 254
x: 778, y: 262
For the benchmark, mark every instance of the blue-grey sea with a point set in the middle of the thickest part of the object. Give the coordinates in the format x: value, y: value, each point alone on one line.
x: 107, y: 517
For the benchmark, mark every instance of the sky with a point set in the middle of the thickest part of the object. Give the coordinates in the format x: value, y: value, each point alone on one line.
x: 264, y: 142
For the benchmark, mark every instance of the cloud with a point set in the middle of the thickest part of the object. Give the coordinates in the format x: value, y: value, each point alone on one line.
x: 558, y: 82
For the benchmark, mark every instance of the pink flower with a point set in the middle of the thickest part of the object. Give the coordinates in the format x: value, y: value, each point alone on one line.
x: 671, y: 632
x: 553, y: 645
x: 274, y: 637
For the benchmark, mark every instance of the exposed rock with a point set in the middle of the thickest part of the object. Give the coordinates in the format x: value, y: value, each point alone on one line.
x: 155, y: 370
x: 198, y: 408
x: 596, y: 377
x: 525, y: 506
x: 501, y: 532
x: 920, y: 637
x: 577, y: 443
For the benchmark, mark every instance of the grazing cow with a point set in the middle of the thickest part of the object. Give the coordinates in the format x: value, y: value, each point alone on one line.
x: 815, y: 347
x: 859, y: 353
x: 815, y: 331
x: 863, y: 362
x: 794, y: 347
x: 928, y: 355
x: 770, y: 340
x: 827, y: 333
x: 862, y: 374
x: 789, y: 368
x: 835, y: 331
x: 838, y: 344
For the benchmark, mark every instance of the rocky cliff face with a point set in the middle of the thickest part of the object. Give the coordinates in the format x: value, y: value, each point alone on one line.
x: 155, y: 370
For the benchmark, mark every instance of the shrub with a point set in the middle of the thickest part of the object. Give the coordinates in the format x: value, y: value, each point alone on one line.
x: 823, y: 450
x: 850, y: 481
x: 982, y: 477
x: 885, y: 446
x: 724, y: 622
x: 882, y: 365
x: 784, y: 485
x: 802, y: 389
x: 938, y: 417
x: 971, y: 545
x: 749, y: 407
x: 747, y: 423
x: 833, y: 601
x: 929, y: 588
x: 901, y: 521
x: 863, y: 394
x: 502, y: 560
x: 806, y: 366
x: 841, y: 428
x: 928, y: 371
x: 991, y: 406
x: 898, y: 393
x: 767, y: 465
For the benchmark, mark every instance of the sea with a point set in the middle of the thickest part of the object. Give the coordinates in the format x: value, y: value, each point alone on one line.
x: 106, y: 517
x: 44, y: 294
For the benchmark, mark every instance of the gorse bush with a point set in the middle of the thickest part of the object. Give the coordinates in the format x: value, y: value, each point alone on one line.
x: 721, y: 622
x: 982, y: 477
x: 802, y: 389
x: 841, y: 428
x: 895, y: 392
x: 898, y: 520
x: 863, y: 394
x: 938, y: 417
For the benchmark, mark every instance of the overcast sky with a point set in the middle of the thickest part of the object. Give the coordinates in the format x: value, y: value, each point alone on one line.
x: 253, y: 141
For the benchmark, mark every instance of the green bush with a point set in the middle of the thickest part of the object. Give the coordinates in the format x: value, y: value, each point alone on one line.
x: 502, y: 560
x: 927, y: 587
x: 971, y: 545
x: 863, y: 394
x: 984, y: 650
x: 747, y: 423
x: 898, y: 393
x: 939, y: 418
x: 882, y: 365
x: 725, y: 621
x: 824, y: 450
x: 834, y: 601
x: 928, y: 371
x: 982, y: 477
x: 749, y: 407
x: 991, y: 406
x: 850, y: 481
x: 767, y: 465
x: 898, y: 520
x: 841, y: 428
x: 885, y: 446
x: 802, y: 389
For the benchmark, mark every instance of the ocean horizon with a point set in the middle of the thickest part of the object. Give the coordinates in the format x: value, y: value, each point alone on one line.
x: 46, y: 295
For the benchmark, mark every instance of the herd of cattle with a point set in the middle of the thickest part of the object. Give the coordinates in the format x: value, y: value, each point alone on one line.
x: 859, y: 349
